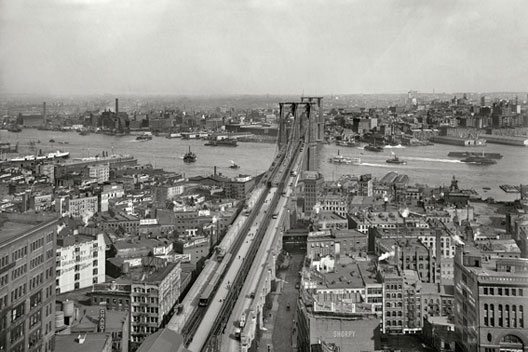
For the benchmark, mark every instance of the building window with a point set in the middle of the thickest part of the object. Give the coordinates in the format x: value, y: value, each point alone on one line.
x: 485, y: 290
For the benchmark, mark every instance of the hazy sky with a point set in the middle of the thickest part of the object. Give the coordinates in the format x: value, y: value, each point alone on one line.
x: 262, y: 46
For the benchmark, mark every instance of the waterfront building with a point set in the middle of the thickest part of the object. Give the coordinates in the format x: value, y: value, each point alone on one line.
x: 27, y: 282
x: 80, y: 260
x: 100, y: 172
x: 490, y: 301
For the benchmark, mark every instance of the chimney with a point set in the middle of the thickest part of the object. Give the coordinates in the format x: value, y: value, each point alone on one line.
x: 44, y: 112
x: 215, y: 170
x: 116, y: 106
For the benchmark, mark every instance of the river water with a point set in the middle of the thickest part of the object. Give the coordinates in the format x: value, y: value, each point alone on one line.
x: 425, y: 165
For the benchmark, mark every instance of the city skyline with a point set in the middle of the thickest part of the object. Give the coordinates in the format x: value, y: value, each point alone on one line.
x: 260, y: 47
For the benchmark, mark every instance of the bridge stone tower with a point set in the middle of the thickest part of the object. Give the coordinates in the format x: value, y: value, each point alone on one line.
x: 304, y: 118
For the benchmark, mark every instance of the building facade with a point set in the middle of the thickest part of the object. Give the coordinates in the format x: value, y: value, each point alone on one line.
x: 490, y: 302
x: 80, y: 262
x: 27, y: 283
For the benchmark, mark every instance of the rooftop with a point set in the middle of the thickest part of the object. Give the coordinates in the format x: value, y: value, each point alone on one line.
x: 16, y: 225
x: 94, y: 342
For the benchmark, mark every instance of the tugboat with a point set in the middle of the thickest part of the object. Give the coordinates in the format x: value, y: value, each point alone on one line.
x: 234, y: 165
x: 189, y: 157
x: 396, y: 160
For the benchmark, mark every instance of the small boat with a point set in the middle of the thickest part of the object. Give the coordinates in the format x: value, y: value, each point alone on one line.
x: 147, y: 136
x: 52, y: 141
x: 189, y: 157
x: 396, y: 160
x: 486, y: 188
x: 374, y: 148
x: 234, y: 165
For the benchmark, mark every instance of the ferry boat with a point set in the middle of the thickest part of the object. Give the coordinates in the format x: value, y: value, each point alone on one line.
x: 340, y: 159
x: 189, y: 157
x: 396, y: 160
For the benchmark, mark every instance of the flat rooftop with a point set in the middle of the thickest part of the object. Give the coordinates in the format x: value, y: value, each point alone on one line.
x: 93, y: 343
x: 15, y: 225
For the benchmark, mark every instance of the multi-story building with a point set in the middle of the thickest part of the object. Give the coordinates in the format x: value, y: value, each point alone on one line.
x: 196, y: 248
x: 99, y: 172
x: 365, y: 185
x: 334, y: 203
x: 155, y: 289
x: 110, y: 191
x: 335, y: 243
x: 409, y: 254
x: 340, y: 302
x: 164, y: 193
x: 239, y: 187
x: 27, y: 282
x: 80, y: 261
x: 79, y: 205
x: 490, y: 302
x: 312, y: 182
x: 401, y: 303
x: 119, y: 221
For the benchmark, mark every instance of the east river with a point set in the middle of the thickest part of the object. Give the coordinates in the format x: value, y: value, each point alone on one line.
x: 425, y: 165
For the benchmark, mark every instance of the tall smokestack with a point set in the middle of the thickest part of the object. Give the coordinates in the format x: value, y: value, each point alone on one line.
x: 44, y: 113
x: 117, y: 106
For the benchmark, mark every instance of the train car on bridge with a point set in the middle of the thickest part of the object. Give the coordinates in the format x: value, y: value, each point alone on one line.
x: 210, y: 290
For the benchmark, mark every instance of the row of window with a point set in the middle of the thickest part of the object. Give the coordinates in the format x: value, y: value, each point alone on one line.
x: 394, y: 313
x: 4, y: 279
x: 114, y: 300
x: 36, y: 281
x: 36, y: 261
x: 4, y: 261
x: 18, y: 292
x: 19, y: 253
x: 507, y: 316
x: 37, y: 244
x: 502, y: 291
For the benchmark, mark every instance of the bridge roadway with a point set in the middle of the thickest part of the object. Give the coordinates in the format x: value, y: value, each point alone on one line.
x: 190, y: 301
x: 252, y: 297
x: 239, y: 259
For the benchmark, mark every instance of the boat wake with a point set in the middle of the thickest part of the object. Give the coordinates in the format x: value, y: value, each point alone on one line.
x: 433, y: 159
x: 376, y: 165
x: 399, y: 146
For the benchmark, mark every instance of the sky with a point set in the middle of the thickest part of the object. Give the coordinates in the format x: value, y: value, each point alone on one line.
x: 197, y: 47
